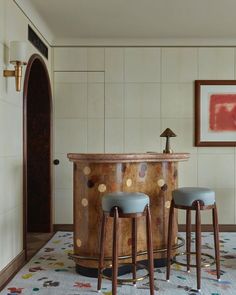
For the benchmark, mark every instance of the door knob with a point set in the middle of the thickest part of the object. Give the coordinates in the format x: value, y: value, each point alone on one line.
x: 56, y: 162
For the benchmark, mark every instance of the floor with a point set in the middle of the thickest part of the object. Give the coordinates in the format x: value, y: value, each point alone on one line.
x: 51, y: 272
x: 35, y: 241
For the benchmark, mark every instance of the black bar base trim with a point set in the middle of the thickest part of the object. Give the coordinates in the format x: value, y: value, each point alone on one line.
x: 93, y: 272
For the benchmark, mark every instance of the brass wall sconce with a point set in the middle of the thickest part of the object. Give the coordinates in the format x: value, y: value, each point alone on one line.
x: 168, y: 133
x: 18, y: 59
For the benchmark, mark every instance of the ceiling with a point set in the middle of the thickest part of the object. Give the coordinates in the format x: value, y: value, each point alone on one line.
x: 74, y: 19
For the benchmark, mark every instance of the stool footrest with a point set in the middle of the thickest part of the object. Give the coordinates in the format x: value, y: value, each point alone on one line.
x: 126, y: 281
x: 174, y: 260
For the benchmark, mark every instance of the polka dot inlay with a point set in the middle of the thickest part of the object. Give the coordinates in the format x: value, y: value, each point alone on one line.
x: 123, y: 168
x: 159, y: 220
x: 84, y: 202
x: 87, y: 170
x: 161, y: 182
x: 78, y: 242
x: 164, y: 187
x: 90, y: 183
x: 144, y: 167
x: 167, y: 204
x: 102, y: 188
x: 141, y: 174
x: 129, y: 242
x: 129, y: 182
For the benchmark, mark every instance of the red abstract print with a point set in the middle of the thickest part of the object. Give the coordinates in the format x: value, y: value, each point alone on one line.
x: 222, y: 112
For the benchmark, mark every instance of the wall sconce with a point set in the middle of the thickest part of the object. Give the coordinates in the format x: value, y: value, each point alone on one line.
x: 18, y: 59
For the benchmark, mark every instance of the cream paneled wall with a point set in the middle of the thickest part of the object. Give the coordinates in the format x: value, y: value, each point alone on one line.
x: 79, y: 126
x: 147, y: 90
x: 11, y: 136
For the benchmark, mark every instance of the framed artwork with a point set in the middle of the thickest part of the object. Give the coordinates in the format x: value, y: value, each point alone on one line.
x: 215, y: 113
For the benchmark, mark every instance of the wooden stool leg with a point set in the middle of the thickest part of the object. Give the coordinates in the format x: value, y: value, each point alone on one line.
x: 150, y: 251
x: 101, y: 255
x: 169, y: 241
x: 134, y: 247
x: 216, y: 240
x: 188, y: 238
x: 198, y: 244
x: 115, y: 251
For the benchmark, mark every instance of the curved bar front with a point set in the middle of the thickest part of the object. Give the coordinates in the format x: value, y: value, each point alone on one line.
x: 97, y: 174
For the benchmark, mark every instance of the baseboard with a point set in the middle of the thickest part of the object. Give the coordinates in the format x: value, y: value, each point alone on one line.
x: 63, y: 227
x: 208, y: 227
x: 9, y: 271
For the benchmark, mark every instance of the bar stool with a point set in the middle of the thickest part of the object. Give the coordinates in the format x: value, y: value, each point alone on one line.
x: 125, y: 205
x: 197, y: 199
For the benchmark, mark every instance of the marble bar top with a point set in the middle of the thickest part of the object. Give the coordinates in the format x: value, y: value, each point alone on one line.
x: 128, y: 157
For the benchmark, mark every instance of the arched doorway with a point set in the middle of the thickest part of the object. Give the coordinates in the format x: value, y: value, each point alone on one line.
x: 37, y: 138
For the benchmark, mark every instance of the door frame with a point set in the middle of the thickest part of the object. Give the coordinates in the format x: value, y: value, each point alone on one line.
x: 30, y: 63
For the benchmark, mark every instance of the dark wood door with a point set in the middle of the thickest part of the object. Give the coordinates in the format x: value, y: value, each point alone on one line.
x: 37, y: 147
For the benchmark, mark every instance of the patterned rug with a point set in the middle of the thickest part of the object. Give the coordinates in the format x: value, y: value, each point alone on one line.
x: 50, y: 271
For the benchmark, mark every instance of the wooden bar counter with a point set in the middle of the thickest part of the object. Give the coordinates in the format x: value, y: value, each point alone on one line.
x: 154, y: 174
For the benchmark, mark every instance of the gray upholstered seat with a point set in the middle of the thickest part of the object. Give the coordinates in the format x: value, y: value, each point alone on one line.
x: 185, y: 196
x: 127, y: 202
